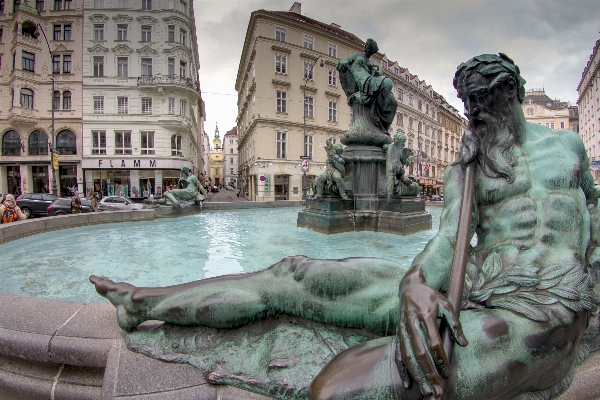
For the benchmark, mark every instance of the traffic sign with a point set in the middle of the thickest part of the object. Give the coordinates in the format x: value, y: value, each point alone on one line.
x: 305, y: 165
x: 305, y: 157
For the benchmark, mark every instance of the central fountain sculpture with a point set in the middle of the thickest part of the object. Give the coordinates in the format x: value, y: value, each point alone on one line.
x: 507, y: 318
x: 370, y: 168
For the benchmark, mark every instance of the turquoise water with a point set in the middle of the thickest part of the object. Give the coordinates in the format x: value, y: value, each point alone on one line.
x: 57, y: 265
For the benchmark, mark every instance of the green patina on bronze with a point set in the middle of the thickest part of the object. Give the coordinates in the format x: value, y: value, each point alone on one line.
x: 398, y: 157
x: 188, y: 189
x: 529, y: 302
x: 331, y: 181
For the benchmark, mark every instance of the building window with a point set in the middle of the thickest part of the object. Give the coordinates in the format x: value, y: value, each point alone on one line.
x: 427, y: 109
x: 11, y: 144
x: 550, y: 125
x: 332, y: 77
x: 280, y: 34
x: 38, y: 143
x: 280, y: 64
x: 123, y: 4
x: 66, y: 143
x: 56, y: 100
x: 171, y: 105
x: 308, y: 70
x: 39, y: 5
x: 26, y: 98
x: 396, y: 70
x: 420, y: 105
x: 182, y: 107
x: 122, y: 64
x: 332, y: 47
x: 122, y: 105
x: 400, y: 119
x: 146, y: 33
x: 171, y: 33
x: 176, y: 145
x: 98, y: 3
x: 98, y: 105
x: 27, y: 61
x: 182, y: 36
x: 400, y: 94
x: 122, y: 142
x: 308, y: 145
x: 66, y: 64
x: 281, y: 101
x: 98, y: 31
x: 121, y: 32
x: 410, y: 126
x: 56, y: 64
x: 66, y: 100
x: 384, y: 64
x: 410, y: 99
x: 146, y: 67
x: 57, y: 32
x: 562, y: 125
x: 308, y: 42
x: 182, y: 68
x: 171, y: 66
x: 146, y: 105
x: 98, y: 142
x: 147, y: 142
x: 281, y: 143
x: 98, y: 66
x: 309, y: 107
x: 332, y: 111
x: 146, y: 4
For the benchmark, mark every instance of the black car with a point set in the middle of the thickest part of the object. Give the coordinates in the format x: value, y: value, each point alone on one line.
x: 62, y: 206
x: 35, y: 204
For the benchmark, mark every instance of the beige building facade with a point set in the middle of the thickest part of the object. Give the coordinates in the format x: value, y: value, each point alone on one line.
x: 290, y: 101
x: 26, y: 96
x: 540, y: 109
x: 230, y: 157
x: 588, y: 102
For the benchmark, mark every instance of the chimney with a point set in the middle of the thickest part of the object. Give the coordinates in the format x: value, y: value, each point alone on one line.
x: 296, y: 8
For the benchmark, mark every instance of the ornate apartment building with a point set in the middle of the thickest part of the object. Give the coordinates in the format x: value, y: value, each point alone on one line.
x: 230, y: 157
x: 589, y: 109
x: 539, y: 108
x: 290, y: 101
x: 28, y: 63
x: 141, y: 94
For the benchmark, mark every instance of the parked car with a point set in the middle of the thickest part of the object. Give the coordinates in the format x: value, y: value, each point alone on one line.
x: 435, y: 197
x: 62, y: 206
x: 116, y: 203
x: 35, y: 204
x: 425, y: 198
x: 228, y: 187
x: 215, y: 189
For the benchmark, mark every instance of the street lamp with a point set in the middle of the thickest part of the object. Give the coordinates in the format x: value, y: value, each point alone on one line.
x: 305, y: 156
x: 52, y: 145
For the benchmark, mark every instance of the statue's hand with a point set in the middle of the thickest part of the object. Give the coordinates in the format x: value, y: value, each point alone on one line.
x: 421, y: 347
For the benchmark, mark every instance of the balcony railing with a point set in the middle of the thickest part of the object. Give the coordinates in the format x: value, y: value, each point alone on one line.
x: 168, y: 80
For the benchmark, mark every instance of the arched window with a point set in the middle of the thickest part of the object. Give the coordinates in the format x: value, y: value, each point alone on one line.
x: 11, y: 144
x: 56, y: 100
x: 28, y: 29
x: 26, y: 98
x: 176, y: 145
x: 66, y: 100
x: 66, y: 143
x: 38, y: 143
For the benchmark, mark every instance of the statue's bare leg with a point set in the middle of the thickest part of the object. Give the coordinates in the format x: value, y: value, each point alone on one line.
x: 354, y: 292
x: 507, y: 355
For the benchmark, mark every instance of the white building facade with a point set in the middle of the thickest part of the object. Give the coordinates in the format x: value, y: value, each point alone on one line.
x: 141, y: 95
x: 589, y: 109
x: 230, y: 157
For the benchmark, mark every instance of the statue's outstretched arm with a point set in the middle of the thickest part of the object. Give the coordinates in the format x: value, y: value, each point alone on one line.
x: 421, y: 302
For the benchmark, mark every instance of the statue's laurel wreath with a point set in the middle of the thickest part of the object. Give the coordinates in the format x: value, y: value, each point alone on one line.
x: 521, y: 289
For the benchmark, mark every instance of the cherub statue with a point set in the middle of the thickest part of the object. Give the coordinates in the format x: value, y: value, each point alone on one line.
x: 334, y: 172
x: 398, y: 156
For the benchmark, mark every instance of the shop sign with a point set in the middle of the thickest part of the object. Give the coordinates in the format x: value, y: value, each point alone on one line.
x: 131, y: 163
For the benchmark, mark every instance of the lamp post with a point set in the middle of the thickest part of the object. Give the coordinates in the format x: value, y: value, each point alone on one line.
x: 305, y: 156
x: 52, y: 145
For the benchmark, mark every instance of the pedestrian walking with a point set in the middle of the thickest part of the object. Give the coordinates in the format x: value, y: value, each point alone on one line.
x: 76, y: 204
x: 94, y: 202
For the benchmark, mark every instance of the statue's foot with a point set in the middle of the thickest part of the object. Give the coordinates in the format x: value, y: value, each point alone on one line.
x: 119, y: 294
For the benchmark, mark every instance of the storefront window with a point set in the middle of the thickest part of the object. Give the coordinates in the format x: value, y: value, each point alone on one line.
x: 13, y: 175
x: 38, y: 143
x: 68, y: 180
x: 11, y: 144
x: 66, y: 143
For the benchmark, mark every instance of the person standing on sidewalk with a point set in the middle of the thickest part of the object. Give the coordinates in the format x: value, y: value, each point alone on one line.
x: 76, y: 204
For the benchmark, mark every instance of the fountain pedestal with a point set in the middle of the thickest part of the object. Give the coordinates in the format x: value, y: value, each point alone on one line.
x: 368, y: 207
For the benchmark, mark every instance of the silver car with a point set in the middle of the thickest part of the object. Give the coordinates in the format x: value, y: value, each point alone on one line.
x: 116, y: 203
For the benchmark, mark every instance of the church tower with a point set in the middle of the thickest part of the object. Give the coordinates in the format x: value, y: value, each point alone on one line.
x: 216, y: 160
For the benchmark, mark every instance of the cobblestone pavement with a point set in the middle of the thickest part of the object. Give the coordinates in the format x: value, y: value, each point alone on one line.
x: 224, y: 196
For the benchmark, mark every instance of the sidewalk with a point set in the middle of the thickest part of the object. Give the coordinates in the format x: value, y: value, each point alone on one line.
x: 224, y: 196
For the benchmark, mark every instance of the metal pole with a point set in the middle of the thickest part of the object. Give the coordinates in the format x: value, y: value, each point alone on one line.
x: 54, y: 189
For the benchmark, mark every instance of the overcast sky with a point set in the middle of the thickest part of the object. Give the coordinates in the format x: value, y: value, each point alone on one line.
x: 550, y: 40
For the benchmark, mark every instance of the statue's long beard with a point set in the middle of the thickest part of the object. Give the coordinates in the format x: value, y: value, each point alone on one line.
x: 491, y: 141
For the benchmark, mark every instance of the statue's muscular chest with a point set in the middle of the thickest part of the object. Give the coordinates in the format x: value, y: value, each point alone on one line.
x: 535, y: 176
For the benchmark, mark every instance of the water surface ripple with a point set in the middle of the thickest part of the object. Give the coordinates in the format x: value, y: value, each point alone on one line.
x: 56, y: 265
